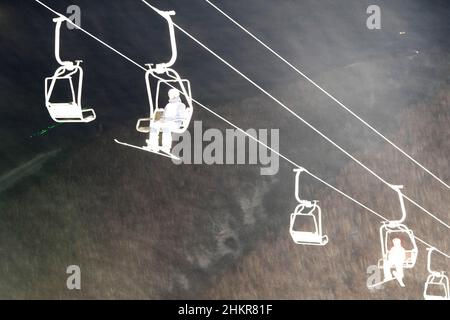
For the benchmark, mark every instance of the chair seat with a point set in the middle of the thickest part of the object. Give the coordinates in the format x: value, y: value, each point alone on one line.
x: 70, y: 110
x: 65, y: 110
x: 89, y: 118
x: 144, y: 129
x: 408, y: 264
x: 301, y: 236
x: 143, y: 125
x: 431, y: 297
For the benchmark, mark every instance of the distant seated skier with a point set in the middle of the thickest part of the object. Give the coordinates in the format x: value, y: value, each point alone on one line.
x: 395, y: 258
x: 172, y: 119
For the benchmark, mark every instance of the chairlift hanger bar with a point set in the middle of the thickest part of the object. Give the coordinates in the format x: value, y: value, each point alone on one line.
x: 430, y: 253
x: 58, y: 22
x: 167, y: 15
x: 242, y: 130
x: 296, y: 69
x: 277, y: 101
x: 89, y: 34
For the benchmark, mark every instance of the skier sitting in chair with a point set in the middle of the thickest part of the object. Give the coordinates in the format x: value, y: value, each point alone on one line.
x: 395, y: 258
x: 172, y: 120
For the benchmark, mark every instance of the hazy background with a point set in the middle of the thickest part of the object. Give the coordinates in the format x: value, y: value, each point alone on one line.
x: 140, y: 227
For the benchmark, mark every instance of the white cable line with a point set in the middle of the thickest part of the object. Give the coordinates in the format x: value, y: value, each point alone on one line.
x: 295, y: 114
x: 244, y: 132
x: 296, y: 69
x: 424, y: 210
x: 430, y: 246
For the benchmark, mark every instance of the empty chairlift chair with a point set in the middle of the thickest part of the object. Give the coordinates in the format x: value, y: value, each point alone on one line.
x: 437, y: 284
x: 396, y: 229
x: 306, y: 220
x: 67, y: 111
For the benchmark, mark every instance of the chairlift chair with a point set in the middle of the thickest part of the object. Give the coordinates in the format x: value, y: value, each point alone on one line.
x: 396, y: 229
x: 436, y: 281
x: 169, y: 78
x: 69, y: 111
x: 307, y: 210
x: 156, y: 109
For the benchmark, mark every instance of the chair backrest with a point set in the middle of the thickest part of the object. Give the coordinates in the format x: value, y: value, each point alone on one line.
x: 63, y: 73
x: 312, y: 219
x: 386, y: 235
